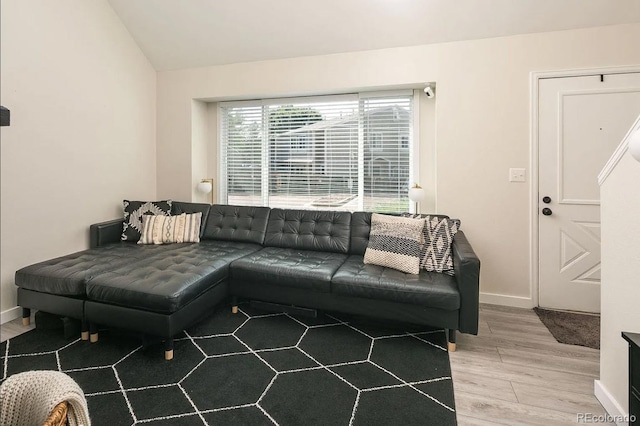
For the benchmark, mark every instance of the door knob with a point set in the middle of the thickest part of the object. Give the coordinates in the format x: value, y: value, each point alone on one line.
x: 547, y: 211
x: 546, y: 200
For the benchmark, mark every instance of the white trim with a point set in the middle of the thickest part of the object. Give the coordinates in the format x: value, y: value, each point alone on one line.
x: 536, y: 76
x: 611, y: 406
x: 414, y: 147
x: 507, y: 300
x: 386, y: 93
x: 534, y: 269
x: 240, y: 104
x: 10, y: 314
x: 586, y: 71
x: 221, y: 192
x: 360, y: 155
x: 618, y: 153
x: 300, y: 99
x: 347, y: 97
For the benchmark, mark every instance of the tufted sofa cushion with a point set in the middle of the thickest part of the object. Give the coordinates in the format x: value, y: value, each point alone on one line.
x: 289, y: 267
x: 309, y: 230
x: 66, y: 275
x: 236, y: 223
x: 429, y: 289
x: 162, y: 283
x: 360, y: 228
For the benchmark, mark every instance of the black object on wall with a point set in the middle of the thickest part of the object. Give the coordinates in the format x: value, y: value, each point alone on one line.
x: 5, y: 116
x: 634, y: 376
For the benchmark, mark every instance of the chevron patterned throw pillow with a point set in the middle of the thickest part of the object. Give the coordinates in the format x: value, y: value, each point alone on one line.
x: 438, y: 232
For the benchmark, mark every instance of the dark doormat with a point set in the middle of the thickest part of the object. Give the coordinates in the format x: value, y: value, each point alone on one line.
x: 254, y: 368
x: 572, y: 328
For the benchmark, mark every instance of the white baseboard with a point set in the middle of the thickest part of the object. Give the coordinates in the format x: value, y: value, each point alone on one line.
x: 10, y: 314
x: 506, y: 300
x: 610, y: 405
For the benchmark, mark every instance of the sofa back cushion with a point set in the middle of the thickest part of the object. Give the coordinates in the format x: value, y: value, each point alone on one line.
x: 236, y: 223
x: 309, y: 230
x: 360, y: 228
x: 180, y: 207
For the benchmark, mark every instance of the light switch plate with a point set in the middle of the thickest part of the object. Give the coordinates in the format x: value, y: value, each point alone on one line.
x: 517, y: 175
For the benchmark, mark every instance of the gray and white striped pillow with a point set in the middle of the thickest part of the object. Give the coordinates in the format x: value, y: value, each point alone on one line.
x: 394, y: 242
x: 183, y: 228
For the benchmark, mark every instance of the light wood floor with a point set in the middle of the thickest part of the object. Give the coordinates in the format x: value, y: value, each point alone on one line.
x: 14, y: 328
x: 512, y: 373
x: 515, y: 373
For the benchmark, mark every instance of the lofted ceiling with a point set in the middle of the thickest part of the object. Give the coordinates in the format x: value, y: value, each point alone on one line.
x: 192, y: 33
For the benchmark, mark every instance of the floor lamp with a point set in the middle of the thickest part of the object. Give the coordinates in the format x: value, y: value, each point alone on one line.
x: 417, y: 194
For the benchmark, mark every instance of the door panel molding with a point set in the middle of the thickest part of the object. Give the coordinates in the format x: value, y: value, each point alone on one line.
x: 562, y: 98
x: 571, y: 252
x: 534, y: 196
x: 573, y: 201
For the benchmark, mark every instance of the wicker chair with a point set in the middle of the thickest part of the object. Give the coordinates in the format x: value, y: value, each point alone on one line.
x: 48, y: 398
x: 58, y: 416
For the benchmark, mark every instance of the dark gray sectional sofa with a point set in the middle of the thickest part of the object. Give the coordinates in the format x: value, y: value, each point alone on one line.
x: 303, y: 258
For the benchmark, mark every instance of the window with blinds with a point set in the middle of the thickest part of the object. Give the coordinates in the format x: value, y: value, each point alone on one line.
x: 347, y: 152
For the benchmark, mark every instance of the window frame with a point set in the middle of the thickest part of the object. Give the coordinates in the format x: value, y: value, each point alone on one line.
x: 413, y: 137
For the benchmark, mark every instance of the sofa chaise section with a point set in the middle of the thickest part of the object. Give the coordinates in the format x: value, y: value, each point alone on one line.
x: 58, y: 286
x: 162, y: 295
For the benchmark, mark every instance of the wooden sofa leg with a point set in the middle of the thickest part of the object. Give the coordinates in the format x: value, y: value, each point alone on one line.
x: 451, y: 337
x: 168, y: 349
x: 26, y: 316
x: 93, y: 330
x: 234, y: 305
x: 84, y: 330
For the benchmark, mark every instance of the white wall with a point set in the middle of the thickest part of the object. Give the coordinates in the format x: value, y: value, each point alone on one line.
x: 481, y: 123
x: 82, y: 134
x: 620, y: 214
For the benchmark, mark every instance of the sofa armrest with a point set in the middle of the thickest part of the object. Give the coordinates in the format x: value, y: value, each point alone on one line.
x: 104, y: 233
x: 467, y: 269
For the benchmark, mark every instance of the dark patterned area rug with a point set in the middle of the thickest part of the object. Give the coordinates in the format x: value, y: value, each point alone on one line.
x: 572, y: 328
x: 254, y: 368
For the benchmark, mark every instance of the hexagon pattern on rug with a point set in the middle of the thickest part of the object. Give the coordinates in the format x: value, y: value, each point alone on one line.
x: 255, y: 368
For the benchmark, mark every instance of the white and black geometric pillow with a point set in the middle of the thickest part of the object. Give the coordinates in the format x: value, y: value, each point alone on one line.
x: 394, y: 242
x: 438, y: 232
x: 133, y: 212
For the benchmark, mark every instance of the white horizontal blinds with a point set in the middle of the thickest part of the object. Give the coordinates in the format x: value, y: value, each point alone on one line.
x: 313, y: 154
x: 387, y: 129
x: 343, y: 152
x: 242, y: 155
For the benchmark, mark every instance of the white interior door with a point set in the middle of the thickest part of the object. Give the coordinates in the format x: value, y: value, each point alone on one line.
x: 581, y: 121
